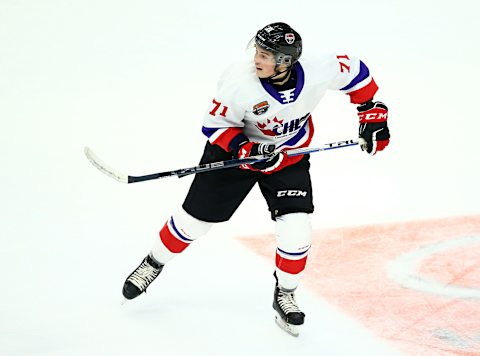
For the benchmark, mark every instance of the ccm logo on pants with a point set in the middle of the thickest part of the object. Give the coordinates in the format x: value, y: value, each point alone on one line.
x: 291, y: 193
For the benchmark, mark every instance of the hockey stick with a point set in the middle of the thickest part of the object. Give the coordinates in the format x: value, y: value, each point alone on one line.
x: 208, y: 167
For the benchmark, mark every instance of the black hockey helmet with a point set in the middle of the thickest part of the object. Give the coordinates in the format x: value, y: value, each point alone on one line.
x: 282, y: 40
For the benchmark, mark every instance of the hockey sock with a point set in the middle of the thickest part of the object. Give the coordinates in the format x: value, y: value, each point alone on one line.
x: 177, y: 234
x: 294, y: 238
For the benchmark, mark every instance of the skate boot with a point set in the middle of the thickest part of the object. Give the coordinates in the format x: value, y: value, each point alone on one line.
x: 288, y: 315
x: 137, y: 282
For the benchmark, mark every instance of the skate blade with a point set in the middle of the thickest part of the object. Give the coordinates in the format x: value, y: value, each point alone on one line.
x: 289, y: 328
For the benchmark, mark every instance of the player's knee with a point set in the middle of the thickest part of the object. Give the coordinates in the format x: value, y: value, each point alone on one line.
x: 189, y: 227
x: 294, y: 232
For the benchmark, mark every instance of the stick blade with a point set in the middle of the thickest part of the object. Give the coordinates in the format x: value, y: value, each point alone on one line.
x: 104, y: 168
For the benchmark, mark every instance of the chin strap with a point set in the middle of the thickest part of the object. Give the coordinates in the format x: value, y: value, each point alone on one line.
x: 276, y: 74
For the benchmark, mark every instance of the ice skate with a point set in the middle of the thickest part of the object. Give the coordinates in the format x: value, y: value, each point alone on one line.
x: 138, y: 281
x: 288, y: 316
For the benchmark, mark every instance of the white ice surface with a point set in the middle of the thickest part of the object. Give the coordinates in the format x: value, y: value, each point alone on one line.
x: 203, y: 304
x: 131, y: 80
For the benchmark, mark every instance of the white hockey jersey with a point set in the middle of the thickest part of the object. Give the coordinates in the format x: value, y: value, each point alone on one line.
x: 247, y: 104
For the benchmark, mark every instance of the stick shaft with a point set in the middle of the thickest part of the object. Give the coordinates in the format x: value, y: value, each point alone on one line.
x: 208, y: 167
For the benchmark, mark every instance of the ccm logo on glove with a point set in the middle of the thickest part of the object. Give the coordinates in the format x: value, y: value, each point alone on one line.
x: 376, y: 115
x: 373, y: 132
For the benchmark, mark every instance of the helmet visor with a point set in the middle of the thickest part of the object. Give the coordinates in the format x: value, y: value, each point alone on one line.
x: 253, y: 49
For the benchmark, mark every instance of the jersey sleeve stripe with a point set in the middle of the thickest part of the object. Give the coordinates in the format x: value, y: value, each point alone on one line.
x: 209, y: 131
x: 363, y: 94
x: 363, y: 74
x: 226, y: 136
x: 223, y: 136
x: 214, y: 134
x: 360, y: 85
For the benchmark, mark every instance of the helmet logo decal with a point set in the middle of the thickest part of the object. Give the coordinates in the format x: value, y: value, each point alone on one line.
x: 289, y: 38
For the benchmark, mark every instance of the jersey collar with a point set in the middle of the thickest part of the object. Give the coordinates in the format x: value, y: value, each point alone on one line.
x: 286, y: 96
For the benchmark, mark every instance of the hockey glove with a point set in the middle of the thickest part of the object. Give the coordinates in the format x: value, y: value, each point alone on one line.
x: 373, y: 132
x: 249, y: 149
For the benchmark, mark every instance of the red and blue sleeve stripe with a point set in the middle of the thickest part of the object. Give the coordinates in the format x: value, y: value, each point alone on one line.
x: 228, y: 138
x: 362, y: 88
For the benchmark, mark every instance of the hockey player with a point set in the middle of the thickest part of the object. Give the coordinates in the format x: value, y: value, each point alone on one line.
x: 264, y: 107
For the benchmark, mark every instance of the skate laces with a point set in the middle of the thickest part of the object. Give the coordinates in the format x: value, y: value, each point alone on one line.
x: 287, y: 302
x: 144, y: 275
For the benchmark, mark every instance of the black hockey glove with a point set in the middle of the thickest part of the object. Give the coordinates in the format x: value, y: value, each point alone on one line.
x: 249, y: 149
x: 373, y: 132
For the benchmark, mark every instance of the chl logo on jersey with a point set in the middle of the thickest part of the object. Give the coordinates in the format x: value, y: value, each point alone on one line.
x: 277, y: 127
x: 261, y: 108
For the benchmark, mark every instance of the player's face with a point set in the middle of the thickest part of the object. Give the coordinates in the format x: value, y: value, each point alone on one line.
x: 264, y: 62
